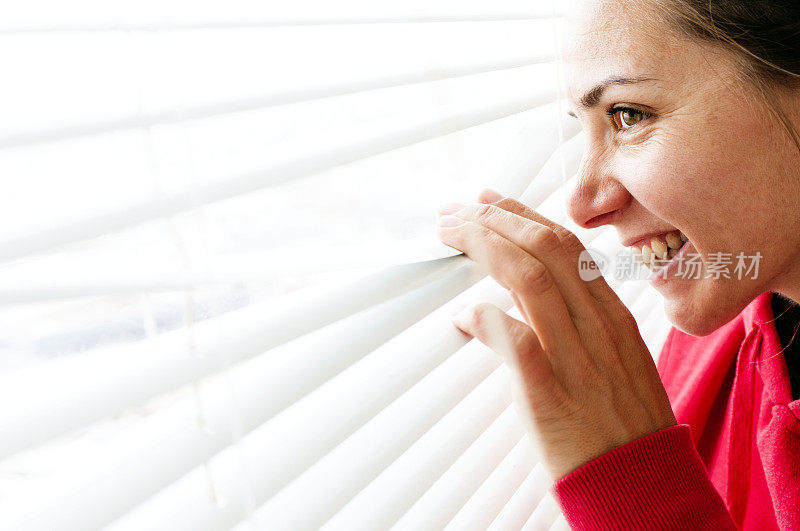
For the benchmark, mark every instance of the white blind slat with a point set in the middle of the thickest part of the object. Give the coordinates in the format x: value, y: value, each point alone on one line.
x: 155, y: 78
x: 309, y: 429
x: 522, y: 503
x: 447, y: 495
x: 253, y: 392
x: 543, y: 516
x: 152, y: 15
x: 119, y: 271
x: 134, y: 451
x: 484, y: 505
x: 93, y: 385
x: 404, y: 477
x: 560, y: 524
x: 370, y: 143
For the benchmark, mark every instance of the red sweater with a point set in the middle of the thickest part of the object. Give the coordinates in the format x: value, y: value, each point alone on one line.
x: 733, y: 460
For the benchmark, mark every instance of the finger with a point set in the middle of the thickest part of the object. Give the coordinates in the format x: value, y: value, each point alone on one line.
x: 598, y: 287
x: 543, y: 244
x: 620, y: 315
x: 519, y: 272
x: 510, y: 338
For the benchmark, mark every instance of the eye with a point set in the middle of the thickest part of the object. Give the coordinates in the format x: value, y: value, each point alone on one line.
x: 625, y: 117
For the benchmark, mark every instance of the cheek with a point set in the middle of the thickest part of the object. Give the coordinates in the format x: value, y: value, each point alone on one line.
x: 672, y: 179
x: 690, y: 181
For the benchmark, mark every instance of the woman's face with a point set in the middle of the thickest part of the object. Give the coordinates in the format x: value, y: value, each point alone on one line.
x: 697, y: 152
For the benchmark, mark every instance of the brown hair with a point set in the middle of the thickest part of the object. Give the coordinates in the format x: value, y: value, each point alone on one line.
x: 764, y: 35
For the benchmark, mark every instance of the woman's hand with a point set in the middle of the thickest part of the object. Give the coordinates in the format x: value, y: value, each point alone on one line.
x: 582, y: 373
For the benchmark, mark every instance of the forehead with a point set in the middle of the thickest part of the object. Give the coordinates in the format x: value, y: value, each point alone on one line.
x: 614, y: 38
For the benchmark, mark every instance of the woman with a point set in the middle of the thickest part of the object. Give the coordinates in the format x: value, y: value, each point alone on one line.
x: 690, y: 110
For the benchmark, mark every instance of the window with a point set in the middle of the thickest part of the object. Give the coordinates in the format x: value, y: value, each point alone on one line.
x: 221, y: 303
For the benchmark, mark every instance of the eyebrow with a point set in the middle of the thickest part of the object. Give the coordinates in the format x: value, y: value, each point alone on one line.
x: 592, y: 97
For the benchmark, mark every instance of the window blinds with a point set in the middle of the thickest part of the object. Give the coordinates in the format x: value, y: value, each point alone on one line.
x: 210, y: 317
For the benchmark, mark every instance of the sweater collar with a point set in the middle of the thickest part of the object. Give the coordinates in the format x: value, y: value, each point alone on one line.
x: 758, y: 313
x: 758, y: 319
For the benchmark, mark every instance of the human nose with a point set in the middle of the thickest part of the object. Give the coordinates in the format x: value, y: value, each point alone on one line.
x: 597, y: 197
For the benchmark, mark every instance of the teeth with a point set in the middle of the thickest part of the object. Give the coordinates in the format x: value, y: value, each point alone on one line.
x: 647, y: 256
x: 659, y: 252
x: 659, y: 248
x: 674, y: 241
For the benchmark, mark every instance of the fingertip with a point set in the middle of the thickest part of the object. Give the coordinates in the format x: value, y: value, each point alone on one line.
x: 459, y: 324
x: 450, y: 208
x: 488, y: 195
x: 459, y: 315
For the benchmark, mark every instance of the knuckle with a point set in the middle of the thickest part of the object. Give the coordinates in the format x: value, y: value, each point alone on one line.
x: 535, y: 277
x: 544, y: 239
x: 570, y: 242
x: 485, y: 212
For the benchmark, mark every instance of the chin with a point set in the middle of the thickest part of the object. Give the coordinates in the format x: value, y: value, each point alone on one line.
x: 702, y: 316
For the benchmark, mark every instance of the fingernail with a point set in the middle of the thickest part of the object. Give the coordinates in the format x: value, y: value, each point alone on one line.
x: 450, y: 208
x: 450, y: 221
x: 488, y: 195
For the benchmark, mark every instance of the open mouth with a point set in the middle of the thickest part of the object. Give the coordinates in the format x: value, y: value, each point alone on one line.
x: 660, y: 251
